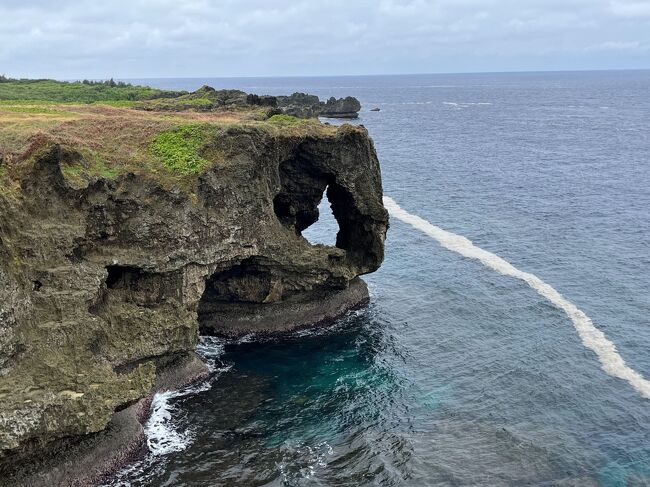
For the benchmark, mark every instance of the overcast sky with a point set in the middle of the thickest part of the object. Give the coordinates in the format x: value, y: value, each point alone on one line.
x: 179, y: 38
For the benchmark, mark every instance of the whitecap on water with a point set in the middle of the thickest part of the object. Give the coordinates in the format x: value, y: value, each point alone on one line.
x: 465, y: 104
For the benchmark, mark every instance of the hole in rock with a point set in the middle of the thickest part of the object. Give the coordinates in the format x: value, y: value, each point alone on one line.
x: 325, y: 229
x: 138, y: 286
x: 301, y: 199
x: 120, y: 276
x: 247, y: 282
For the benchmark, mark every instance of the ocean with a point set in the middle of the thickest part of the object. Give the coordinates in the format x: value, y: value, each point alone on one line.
x: 507, y: 342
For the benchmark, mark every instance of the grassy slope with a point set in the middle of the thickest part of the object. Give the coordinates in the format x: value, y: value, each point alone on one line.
x: 97, y: 121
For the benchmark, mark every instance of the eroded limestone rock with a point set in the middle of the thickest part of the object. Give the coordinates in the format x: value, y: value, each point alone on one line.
x: 100, y: 280
x: 303, y: 105
x: 300, y: 105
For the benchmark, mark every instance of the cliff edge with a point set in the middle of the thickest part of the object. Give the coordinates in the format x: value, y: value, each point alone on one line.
x: 126, y: 233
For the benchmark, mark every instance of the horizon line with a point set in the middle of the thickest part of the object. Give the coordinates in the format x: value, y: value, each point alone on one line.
x: 389, y: 74
x: 370, y: 75
x: 441, y: 73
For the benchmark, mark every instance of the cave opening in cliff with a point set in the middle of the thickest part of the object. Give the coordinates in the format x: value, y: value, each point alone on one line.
x: 325, y: 229
x: 248, y: 282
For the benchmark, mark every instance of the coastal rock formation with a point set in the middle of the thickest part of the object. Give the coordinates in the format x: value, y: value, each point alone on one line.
x: 347, y: 107
x: 207, y: 98
x: 300, y: 105
x: 101, y: 278
x: 303, y: 105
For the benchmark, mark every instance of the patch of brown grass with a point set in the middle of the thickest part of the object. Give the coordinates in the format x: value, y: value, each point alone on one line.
x: 115, y: 140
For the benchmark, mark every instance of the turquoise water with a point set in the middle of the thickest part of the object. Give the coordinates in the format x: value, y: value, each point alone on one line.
x: 455, y: 374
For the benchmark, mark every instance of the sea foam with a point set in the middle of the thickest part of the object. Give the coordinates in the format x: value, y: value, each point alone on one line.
x: 592, y: 338
x: 161, y: 431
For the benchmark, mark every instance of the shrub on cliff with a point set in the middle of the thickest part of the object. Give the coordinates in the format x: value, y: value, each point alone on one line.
x: 178, y: 149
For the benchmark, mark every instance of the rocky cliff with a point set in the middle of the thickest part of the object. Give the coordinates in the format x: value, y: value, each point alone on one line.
x: 110, y: 267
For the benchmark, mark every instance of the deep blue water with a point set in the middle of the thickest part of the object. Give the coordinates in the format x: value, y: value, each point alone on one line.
x: 455, y: 374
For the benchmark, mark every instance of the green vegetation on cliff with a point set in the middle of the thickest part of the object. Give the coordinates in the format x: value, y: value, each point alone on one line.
x: 178, y: 149
x: 78, y: 91
x: 287, y: 119
x: 117, y: 128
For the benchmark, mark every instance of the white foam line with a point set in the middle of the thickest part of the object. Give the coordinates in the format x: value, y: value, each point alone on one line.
x: 162, y: 436
x: 591, y: 337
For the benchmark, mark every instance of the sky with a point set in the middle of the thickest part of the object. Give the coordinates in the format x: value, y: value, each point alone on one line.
x: 72, y: 39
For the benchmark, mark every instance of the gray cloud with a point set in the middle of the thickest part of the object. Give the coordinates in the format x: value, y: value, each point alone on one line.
x: 139, y: 38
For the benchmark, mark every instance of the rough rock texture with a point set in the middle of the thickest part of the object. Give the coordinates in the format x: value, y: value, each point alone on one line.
x: 302, y: 105
x: 99, y: 280
x: 207, y: 98
x: 319, y: 306
x: 90, y: 459
x: 347, y: 107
